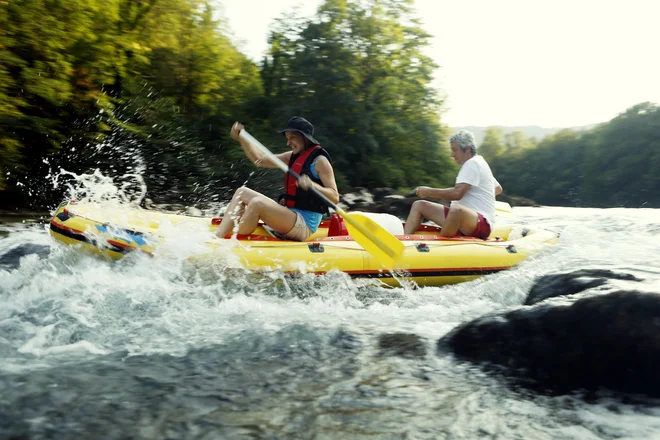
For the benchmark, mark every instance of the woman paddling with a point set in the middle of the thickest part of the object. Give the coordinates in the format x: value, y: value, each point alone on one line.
x: 301, y: 211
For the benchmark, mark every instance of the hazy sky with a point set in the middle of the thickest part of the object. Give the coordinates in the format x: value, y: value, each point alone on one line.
x: 557, y: 63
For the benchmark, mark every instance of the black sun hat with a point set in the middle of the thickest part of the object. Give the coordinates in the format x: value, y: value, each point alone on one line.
x: 302, y: 126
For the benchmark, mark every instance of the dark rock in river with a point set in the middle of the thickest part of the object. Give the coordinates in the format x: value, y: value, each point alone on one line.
x: 401, y: 344
x: 12, y: 258
x: 381, y: 200
x: 550, y: 286
x: 381, y: 193
x: 606, y: 341
x: 516, y: 200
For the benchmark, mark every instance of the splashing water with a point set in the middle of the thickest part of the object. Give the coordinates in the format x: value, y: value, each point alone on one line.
x: 156, y: 348
x: 97, y: 188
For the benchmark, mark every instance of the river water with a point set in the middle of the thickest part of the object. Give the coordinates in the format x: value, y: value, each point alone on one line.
x: 148, y: 349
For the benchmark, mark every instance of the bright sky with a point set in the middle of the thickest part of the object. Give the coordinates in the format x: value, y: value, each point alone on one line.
x: 559, y: 63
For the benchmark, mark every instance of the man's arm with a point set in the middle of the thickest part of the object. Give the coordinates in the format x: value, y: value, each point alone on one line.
x: 455, y: 193
x: 498, y: 186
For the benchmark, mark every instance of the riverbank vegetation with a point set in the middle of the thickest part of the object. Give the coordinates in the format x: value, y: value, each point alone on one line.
x: 151, y: 87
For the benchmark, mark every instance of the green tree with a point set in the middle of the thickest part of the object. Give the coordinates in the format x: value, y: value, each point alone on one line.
x: 198, y: 85
x: 54, y: 63
x: 493, y: 145
x: 516, y: 141
x: 123, y: 85
x: 358, y: 71
x: 613, y: 164
x: 622, y: 159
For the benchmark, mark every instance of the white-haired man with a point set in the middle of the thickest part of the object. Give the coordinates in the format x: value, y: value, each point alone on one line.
x: 472, y: 210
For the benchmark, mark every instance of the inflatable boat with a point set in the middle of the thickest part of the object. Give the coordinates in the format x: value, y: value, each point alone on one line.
x: 427, y: 259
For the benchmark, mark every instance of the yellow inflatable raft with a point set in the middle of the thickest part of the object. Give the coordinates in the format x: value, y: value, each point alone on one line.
x: 428, y: 259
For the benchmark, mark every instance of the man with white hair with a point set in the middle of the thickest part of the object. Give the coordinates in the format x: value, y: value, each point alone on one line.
x: 472, y: 210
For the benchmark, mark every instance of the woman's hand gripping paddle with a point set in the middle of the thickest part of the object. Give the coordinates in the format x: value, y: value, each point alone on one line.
x: 375, y: 239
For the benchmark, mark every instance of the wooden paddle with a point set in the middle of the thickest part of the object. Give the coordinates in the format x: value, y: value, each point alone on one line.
x: 375, y: 239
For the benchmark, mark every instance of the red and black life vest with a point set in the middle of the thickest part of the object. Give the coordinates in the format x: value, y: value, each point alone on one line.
x: 295, y: 197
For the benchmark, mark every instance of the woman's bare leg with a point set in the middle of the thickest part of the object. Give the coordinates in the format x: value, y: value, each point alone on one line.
x: 260, y: 207
x: 247, y: 207
x: 233, y: 213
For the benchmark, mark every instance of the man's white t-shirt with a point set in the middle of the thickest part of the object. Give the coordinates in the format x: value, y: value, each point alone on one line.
x: 481, y: 195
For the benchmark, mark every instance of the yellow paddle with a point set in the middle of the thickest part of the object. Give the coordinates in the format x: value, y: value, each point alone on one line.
x: 384, y: 246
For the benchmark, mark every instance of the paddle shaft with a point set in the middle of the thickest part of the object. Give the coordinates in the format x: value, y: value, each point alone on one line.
x: 381, y: 244
x: 254, y: 142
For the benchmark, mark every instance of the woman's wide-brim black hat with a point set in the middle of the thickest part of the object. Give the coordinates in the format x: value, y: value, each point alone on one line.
x: 302, y: 126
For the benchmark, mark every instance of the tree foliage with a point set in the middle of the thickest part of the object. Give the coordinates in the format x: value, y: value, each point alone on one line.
x: 359, y: 72
x: 151, y: 87
x: 122, y: 85
x: 614, y: 164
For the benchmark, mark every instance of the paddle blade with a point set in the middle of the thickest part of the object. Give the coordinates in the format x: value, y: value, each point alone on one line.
x: 375, y: 239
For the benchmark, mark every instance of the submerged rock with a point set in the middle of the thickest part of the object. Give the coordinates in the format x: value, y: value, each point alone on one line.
x: 12, y: 258
x: 401, y: 344
x: 607, y: 341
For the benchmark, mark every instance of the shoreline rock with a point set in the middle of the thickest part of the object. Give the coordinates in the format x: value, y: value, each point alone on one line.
x: 389, y: 201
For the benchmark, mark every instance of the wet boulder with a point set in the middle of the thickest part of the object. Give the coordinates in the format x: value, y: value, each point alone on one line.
x: 359, y: 199
x: 382, y: 193
x: 550, y: 286
x: 12, y: 258
x: 607, y: 341
x: 516, y: 200
x: 381, y: 200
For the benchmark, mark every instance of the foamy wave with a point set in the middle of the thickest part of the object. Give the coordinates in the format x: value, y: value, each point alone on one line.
x: 38, y: 345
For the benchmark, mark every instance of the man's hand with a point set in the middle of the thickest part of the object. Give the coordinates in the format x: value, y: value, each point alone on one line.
x: 422, y: 191
x: 414, y: 192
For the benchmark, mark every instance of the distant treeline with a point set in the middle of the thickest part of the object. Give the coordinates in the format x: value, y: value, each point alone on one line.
x: 151, y: 87
x: 613, y: 164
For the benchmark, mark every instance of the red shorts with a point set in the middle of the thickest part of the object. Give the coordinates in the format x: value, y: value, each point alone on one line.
x: 482, y: 230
